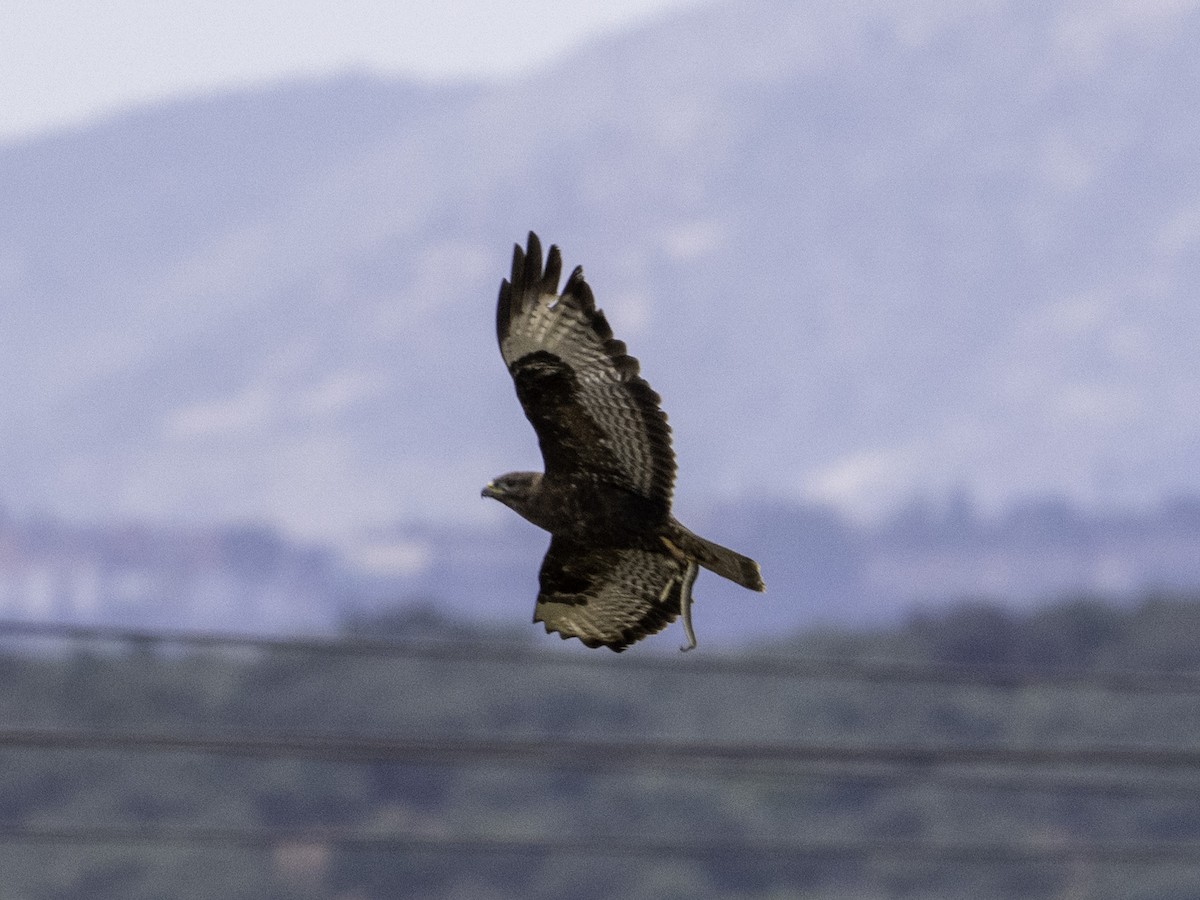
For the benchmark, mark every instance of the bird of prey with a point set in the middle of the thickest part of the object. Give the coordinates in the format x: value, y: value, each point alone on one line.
x: 619, y: 567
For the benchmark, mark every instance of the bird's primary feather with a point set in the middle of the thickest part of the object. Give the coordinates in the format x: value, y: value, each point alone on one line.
x: 597, y: 409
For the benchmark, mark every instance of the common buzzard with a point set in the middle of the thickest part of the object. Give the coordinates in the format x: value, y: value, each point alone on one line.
x: 619, y: 566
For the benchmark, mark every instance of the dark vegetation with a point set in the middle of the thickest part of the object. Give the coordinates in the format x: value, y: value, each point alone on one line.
x: 761, y: 829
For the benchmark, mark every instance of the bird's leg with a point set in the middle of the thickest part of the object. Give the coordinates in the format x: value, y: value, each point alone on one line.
x: 691, y: 570
x: 685, y: 603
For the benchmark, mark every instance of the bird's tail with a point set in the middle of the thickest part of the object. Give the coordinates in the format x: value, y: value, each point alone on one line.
x: 725, y: 562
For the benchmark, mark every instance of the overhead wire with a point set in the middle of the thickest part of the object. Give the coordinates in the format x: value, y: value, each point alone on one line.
x: 595, y: 753
x: 879, y: 671
x: 880, y: 768
x: 617, y: 845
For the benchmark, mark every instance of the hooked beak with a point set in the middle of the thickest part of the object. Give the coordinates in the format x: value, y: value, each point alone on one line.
x: 490, y: 490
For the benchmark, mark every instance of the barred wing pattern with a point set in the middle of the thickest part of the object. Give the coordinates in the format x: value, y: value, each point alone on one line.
x: 580, y: 390
x: 611, y: 597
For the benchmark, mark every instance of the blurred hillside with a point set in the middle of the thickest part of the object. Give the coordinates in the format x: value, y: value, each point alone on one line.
x: 983, y: 753
x: 865, y: 252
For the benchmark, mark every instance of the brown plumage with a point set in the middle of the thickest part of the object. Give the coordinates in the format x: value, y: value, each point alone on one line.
x: 620, y: 566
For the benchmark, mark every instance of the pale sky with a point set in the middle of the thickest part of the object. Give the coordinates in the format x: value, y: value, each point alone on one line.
x: 63, y: 62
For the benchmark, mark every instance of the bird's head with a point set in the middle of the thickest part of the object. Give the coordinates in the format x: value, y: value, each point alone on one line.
x: 514, y: 488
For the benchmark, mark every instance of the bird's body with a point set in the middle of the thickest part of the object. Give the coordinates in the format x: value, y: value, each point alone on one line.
x: 619, y: 566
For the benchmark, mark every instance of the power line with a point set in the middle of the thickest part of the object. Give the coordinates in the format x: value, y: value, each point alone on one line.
x: 1104, y: 783
x: 1050, y: 851
x: 1091, y: 772
x: 594, y: 753
x: 889, y: 672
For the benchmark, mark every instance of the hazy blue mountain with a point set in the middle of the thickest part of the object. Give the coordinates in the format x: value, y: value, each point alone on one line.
x: 821, y: 569
x: 864, y: 251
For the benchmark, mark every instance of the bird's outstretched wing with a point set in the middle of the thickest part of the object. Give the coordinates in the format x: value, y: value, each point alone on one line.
x: 611, y: 597
x: 592, y: 411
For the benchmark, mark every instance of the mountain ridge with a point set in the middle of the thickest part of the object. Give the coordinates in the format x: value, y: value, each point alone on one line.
x: 898, y: 251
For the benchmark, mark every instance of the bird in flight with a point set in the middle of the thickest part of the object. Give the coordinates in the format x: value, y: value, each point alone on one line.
x: 619, y: 566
